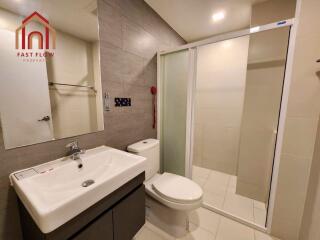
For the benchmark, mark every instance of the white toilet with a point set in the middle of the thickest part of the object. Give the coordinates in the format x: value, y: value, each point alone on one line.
x: 170, y: 197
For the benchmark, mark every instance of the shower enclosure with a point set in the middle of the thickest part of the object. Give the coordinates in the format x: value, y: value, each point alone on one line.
x: 219, y: 110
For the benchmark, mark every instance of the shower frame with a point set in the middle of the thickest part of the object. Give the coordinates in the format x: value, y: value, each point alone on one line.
x: 192, y: 51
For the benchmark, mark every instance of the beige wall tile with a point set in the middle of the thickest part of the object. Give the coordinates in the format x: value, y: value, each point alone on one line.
x: 272, y: 11
x: 299, y: 136
x: 311, y: 218
x: 291, y: 194
x: 304, y: 93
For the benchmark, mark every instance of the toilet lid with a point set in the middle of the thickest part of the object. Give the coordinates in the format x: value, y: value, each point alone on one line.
x: 177, y: 189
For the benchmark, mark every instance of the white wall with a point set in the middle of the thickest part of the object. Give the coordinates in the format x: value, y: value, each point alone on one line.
x: 9, y: 21
x: 221, y: 77
x: 74, y: 110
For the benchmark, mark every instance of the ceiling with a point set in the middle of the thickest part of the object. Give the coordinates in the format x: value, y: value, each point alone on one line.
x: 76, y: 17
x: 192, y: 19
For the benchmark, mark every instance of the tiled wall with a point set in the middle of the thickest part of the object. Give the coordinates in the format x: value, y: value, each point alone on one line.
x: 311, y: 216
x: 301, y: 126
x: 131, y: 33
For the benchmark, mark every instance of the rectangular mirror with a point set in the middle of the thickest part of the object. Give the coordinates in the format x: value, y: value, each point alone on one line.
x: 50, y: 84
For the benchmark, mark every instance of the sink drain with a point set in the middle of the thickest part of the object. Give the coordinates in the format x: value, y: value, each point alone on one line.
x: 87, y: 183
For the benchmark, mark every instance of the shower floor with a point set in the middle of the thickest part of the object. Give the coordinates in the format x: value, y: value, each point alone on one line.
x: 220, y: 192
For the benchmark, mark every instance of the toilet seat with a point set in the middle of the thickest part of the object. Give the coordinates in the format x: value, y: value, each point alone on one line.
x: 167, y: 189
x: 176, y: 188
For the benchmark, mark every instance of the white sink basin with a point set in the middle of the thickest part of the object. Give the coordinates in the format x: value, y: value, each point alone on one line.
x: 53, y: 192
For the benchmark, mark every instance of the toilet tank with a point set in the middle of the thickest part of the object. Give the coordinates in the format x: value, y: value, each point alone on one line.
x: 149, y: 149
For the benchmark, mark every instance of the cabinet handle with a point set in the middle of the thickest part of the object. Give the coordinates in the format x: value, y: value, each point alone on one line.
x: 44, y: 119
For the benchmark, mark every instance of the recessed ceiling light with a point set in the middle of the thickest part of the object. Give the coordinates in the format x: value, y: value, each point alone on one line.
x: 218, y: 16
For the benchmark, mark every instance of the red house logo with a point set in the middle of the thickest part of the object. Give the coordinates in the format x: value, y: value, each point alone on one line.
x: 27, y: 39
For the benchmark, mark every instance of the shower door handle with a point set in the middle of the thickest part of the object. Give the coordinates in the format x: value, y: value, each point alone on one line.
x: 44, y: 119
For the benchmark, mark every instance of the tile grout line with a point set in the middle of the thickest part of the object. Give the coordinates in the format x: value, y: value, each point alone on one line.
x: 207, y: 178
x: 254, y: 217
x: 206, y: 181
x: 254, y: 235
x: 225, y: 194
x: 218, y: 227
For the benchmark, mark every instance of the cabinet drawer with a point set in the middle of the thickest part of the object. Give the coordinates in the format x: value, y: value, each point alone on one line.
x: 100, y: 229
x: 129, y: 215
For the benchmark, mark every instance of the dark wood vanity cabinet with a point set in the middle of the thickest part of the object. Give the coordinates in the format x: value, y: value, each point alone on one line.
x: 119, y: 216
x: 100, y: 229
x: 128, y: 216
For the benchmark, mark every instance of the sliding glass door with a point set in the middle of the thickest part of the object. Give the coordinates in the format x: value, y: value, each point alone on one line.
x: 238, y: 95
x: 220, y: 103
x: 173, y: 110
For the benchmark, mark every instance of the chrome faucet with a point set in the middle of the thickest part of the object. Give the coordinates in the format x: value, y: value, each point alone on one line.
x: 75, y: 152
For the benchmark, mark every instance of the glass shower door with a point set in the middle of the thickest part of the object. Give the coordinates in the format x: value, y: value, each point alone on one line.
x: 173, y: 111
x: 238, y: 95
